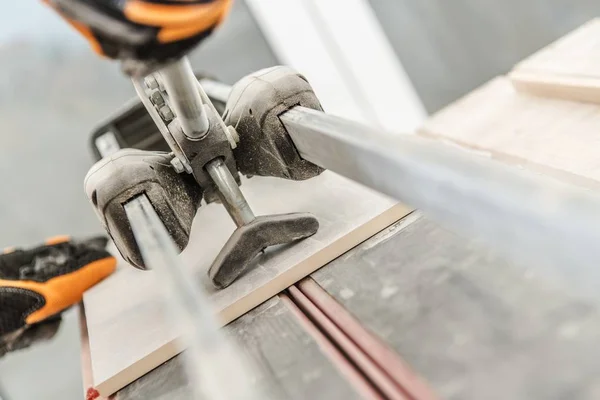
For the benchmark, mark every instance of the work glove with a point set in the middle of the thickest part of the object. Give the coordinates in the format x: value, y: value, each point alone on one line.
x: 38, y: 284
x: 144, y: 34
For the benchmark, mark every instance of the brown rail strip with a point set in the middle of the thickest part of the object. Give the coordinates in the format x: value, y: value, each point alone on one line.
x: 346, y: 368
x: 352, y: 352
x: 379, y: 363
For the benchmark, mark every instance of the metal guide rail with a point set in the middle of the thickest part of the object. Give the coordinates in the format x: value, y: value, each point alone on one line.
x: 210, y: 358
x: 529, y: 217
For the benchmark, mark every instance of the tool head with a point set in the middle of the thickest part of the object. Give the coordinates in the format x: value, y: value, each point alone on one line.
x: 263, y: 148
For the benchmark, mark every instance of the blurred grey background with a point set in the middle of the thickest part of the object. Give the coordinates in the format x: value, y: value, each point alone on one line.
x: 53, y: 91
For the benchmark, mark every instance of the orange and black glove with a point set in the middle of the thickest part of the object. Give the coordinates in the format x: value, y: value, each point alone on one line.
x: 38, y: 284
x: 144, y: 34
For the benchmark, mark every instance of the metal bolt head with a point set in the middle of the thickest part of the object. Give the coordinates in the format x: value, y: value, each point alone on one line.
x: 157, y: 99
x: 166, y: 113
x: 151, y: 82
x: 177, y: 165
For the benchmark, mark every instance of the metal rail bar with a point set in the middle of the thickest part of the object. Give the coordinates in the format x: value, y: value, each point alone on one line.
x: 215, y: 369
x: 532, y: 218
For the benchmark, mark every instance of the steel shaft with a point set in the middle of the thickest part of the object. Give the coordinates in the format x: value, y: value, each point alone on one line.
x: 232, y: 197
x: 181, y: 85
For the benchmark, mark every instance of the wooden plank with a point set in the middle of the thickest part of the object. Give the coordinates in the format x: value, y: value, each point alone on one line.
x: 473, y: 325
x: 289, y: 363
x: 551, y: 136
x: 542, y: 84
x: 567, y: 69
x: 125, y: 313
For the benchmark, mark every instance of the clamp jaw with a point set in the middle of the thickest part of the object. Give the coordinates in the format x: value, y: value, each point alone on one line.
x: 208, y: 153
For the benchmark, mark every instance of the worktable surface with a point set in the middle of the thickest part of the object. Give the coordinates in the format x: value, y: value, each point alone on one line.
x: 472, y: 325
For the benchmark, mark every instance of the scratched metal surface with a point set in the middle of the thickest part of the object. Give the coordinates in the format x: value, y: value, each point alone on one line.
x: 288, y: 364
x: 473, y: 325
